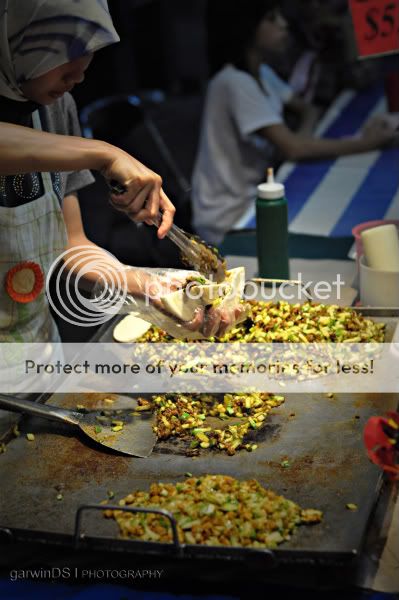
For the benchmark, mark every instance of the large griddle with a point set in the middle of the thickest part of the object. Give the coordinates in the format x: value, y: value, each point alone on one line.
x: 321, y: 438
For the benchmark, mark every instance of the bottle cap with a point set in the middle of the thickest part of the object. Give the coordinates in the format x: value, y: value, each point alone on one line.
x: 271, y: 189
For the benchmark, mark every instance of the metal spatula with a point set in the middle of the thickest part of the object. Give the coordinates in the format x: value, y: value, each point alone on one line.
x: 122, y: 428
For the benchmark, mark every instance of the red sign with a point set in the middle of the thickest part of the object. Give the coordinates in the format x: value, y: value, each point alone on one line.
x: 376, y: 25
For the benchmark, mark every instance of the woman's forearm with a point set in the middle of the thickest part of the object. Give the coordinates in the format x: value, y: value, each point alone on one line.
x: 315, y: 148
x: 25, y: 150
x: 296, y: 147
x: 99, y: 265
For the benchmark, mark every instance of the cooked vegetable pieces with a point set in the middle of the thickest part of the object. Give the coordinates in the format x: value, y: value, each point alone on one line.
x: 283, y: 322
x: 214, y: 510
x: 185, y: 416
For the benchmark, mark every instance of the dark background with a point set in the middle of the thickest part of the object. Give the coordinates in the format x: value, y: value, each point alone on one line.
x: 164, y: 45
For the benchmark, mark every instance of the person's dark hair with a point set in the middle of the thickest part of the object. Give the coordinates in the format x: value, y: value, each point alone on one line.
x: 231, y: 26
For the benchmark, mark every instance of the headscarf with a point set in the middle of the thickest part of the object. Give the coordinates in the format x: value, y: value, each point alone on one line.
x: 37, y: 36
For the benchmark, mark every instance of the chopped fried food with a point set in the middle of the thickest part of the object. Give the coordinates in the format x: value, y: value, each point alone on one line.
x: 283, y: 322
x: 185, y: 415
x: 207, y: 258
x: 267, y: 322
x: 214, y: 510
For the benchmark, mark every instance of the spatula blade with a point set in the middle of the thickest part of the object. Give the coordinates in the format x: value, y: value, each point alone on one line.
x: 121, y: 427
x: 136, y: 438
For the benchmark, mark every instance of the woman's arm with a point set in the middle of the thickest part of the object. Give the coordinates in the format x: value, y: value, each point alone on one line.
x: 140, y: 283
x: 110, y: 268
x: 296, y: 147
x: 25, y: 150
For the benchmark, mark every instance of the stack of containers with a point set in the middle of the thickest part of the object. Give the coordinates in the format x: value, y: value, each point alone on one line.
x: 378, y: 256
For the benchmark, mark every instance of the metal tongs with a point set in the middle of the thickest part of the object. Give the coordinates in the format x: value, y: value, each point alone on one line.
x: 195, y: 252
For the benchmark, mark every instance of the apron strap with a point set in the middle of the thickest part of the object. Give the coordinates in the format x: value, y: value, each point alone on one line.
x: 46, y: 177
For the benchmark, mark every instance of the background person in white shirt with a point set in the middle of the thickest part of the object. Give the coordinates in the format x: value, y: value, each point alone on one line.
x: 243, y: 123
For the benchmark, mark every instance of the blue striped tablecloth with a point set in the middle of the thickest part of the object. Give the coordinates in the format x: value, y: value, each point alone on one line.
x: 329, y: 197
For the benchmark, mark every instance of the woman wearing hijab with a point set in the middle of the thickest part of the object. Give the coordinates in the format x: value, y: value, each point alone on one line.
x: 45, y: 48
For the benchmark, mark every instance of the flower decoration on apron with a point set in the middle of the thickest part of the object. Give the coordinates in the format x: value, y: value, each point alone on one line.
x: 24, y: 282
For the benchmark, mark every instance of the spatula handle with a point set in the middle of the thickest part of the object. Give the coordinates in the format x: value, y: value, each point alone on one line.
x: 38, y: 410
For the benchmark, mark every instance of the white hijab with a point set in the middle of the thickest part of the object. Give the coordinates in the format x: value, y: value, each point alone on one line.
x: 38, y: 35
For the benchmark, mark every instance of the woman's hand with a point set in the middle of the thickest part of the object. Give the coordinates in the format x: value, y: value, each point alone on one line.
x: 217, y: 321
x: 379, y: 132
x: 144, y: 198
x: 210, y: 321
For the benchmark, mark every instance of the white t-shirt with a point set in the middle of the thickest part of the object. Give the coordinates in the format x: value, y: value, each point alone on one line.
x: 232, y: 159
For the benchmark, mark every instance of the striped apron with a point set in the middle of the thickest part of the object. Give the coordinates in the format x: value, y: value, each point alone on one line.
x: 31, y: 234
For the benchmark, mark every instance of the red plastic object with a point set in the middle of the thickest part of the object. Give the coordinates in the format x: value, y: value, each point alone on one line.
x: 382, y: 447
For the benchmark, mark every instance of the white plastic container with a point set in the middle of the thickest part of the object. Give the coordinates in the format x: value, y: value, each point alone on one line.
x: 378, y: 288
x: 381, y: 247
